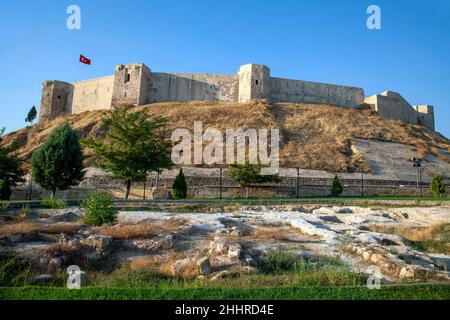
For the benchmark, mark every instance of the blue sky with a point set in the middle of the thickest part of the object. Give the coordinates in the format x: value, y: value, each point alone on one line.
x: 325, y: 41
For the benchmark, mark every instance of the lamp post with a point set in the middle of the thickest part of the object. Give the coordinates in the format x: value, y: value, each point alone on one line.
x: 417, y: 163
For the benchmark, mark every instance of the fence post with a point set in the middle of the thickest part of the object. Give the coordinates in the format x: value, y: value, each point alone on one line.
x: 220, y: 184
x: 296, y: 187
x: 30, y: 193
x: 362, y: 183
x: 145, y: 184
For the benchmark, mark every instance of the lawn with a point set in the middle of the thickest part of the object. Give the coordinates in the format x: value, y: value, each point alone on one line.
x: 407, y: 292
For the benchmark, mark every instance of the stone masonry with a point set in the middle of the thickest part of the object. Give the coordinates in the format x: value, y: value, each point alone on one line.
x: 136, y: 84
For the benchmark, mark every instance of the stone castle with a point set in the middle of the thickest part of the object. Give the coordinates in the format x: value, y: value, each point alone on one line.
x: 136, y: 84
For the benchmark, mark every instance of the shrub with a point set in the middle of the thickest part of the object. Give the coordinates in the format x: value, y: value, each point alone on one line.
x: 437, y: 185
x: 336, y: 187
x: 99, y: 209
x: 14, y: 271
x: 5, y: 190
x: 53, y: 203
x: 279, y: 261
x: 24, y: 212
x: 179, y: 186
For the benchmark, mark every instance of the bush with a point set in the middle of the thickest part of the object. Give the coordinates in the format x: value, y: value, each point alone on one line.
x: 53, y: 203
x: 336, y: 187
x: 179, y: 186
x: 437, y: 185
x: 13, y: 270
x: 279, y: 261
x: 5, y: 190
x: 99, y: 209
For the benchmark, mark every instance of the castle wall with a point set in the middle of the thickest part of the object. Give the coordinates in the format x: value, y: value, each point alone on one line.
x: 391, y: 105
x: 95, y: 94
x: 298, y: 91
x: 189, y: 87
x: 135, y: 84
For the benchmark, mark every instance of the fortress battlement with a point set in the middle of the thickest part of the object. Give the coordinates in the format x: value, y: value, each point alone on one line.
x: 136, y: 84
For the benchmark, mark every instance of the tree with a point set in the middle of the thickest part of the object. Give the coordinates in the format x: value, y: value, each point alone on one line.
x: 437, y: 185
x: 247, y: 174
x: 11, y: 172
x: 179, y: 186
x: 336, y: 187
x: 31, y: 115
x: 134, y: 145
x: 58, y: 163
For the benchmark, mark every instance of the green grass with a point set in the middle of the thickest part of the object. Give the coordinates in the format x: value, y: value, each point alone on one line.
x: 414, y: 198
x: 410, y: 292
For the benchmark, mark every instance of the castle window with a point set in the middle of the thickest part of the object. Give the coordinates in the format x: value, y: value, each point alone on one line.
x: 257, y: 82
x: 59, y: 97
x: 127, y: 76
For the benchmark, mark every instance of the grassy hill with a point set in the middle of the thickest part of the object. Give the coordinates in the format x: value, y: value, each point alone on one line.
x: 313, y: 136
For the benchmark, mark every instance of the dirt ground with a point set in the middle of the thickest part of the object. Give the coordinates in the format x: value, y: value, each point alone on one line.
x: 213, y: 245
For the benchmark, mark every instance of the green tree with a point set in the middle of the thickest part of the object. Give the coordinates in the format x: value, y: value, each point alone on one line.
x: 58, y: 163
x: 248, y: 174
x: 336, y: 187
x: 31, y: 115
x: 437, y: 185
x: 11, y: 172
x: 179, y: 186
x: 134, y: 145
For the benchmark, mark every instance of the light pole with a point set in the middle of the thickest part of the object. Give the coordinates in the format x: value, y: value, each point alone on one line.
x: 417, y: 163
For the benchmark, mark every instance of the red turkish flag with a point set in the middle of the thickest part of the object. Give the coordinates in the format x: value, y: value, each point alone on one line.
x: 84, y: 60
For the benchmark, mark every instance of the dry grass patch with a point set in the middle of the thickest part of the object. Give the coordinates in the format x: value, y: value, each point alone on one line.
x: 143, y: 230
x: 62, y: 227
x: 434, y: 238
x: 313, y: 136
x: 264, y: 233
x: 163, y: 265
x: 30, y: 227
x: 412, y: 233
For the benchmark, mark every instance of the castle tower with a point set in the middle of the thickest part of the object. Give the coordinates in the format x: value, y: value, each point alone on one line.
x: 56, y: 99
x: 131, y: 84
x: 254, y: 82
x: 425, y: 115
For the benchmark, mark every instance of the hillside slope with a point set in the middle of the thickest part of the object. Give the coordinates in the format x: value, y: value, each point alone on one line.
x: 313, y: 136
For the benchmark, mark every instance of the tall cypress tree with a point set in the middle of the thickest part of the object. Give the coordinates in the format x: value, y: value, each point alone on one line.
x: 179, y: 186
x: 31, y: 115
x: 58, y: 163
x: 336, y: 187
